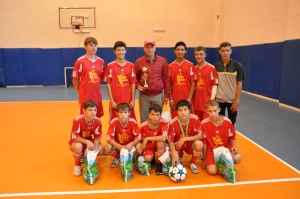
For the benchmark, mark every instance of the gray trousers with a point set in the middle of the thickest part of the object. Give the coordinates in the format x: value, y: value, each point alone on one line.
x: 145, y: 101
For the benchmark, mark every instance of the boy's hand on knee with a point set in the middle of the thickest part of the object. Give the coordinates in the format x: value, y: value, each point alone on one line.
x: 180, y: 143
x: 90, y: 145
x: 129, y: 146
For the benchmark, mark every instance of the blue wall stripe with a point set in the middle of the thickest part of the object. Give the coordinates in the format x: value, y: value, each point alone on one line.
x: 290, y: 75
x: 271, y: 69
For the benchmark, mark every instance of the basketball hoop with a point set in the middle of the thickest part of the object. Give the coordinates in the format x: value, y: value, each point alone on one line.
x: 79, y: 19
x: 77, y: 22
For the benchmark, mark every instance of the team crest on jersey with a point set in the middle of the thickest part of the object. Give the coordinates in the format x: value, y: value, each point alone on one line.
x: 180, y: 79
x: 217, y: 140
x: 122, y: 79
x: 123, y: 137
x: 200, y: 82
x: 93, y: 76
x: 85, y: 134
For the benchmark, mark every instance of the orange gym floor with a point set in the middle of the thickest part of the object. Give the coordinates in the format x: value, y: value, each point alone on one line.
x: 36, y: 163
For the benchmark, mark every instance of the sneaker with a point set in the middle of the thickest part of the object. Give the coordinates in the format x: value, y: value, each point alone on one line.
x: 194, y: 168
x: 77, y: 170
x: 115, y: 163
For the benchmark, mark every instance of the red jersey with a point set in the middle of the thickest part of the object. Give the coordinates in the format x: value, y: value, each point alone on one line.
x: 205, y: 78
x: 215, y: 136
x: 181, y: 76
x: 175, y: 132
x: 90, y: 74
x: 123, y: 134
x: 88, y: 130
x: 121, y: 80
x: 146, y: 131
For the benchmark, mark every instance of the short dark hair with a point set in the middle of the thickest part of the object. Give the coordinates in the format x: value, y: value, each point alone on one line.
x: 90, y: 40
x: 155, y: 107
x: 224, y: 44
x: 123, y: 107
x: 119, y: 44
x: 89, y: 104
x: 200, y: 48
x: 180, y: 43
x: 183, y: 103
x: 211, y: 103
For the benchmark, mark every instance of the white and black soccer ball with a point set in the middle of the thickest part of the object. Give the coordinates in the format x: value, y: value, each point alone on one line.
x: 177, y: 173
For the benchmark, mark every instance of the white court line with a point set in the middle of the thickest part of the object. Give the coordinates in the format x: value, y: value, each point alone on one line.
x: 270, y: 153
x: 154, y: 189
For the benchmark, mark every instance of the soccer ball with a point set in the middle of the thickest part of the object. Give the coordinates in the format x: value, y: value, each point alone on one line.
x: 177, y: 173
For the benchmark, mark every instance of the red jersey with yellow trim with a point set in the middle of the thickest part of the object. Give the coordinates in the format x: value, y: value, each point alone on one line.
x: 216, y: 136
x: 121, y: 79
x: 146, y: 131
x: 123, y: 134
x: 205, y: 78
x: 175, y: 133
x: 90, y: 130
x: 90, y: 73
x: 181, y: 75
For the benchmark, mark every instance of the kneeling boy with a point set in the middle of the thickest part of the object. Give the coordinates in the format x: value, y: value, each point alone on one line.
x: 217, y: 131
x: 86, y: 133
x: 185, y: 135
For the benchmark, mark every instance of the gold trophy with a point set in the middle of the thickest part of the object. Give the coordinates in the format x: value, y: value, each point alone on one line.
x: 144, y: 77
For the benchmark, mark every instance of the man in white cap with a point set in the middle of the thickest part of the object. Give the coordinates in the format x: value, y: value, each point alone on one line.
x: 152, y: 78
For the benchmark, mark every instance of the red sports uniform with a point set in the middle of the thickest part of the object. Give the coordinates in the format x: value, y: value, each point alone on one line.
x: 205, y: 78
x: 123, y: 134
x: 88, y: 130
x: 175, y: 133
x: 121, y: 80
x: 90, y: 74
x: 216, y: 136
x: 181, y: 76
x: 146, y: 131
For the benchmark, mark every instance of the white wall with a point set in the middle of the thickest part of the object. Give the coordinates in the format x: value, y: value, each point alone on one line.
x: 34, y: 23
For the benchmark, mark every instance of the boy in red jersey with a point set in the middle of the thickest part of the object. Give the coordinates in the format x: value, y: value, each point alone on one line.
x: 206, y: 80
x: 123, y: 132
x: 86, y: 134
x: 154, y: 134
x: 181, y: 77
x: 121, y: 80
x: 185, y: 135
x: 217, y: 131
x: 87, y: 75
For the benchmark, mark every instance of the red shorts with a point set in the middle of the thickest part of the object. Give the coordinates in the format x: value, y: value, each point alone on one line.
x: 115, y: 154
x: 201, y: 114
x: 209, y: 157
x: 99, y: 109
x: 150, y: 149
x: 187, y: 147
